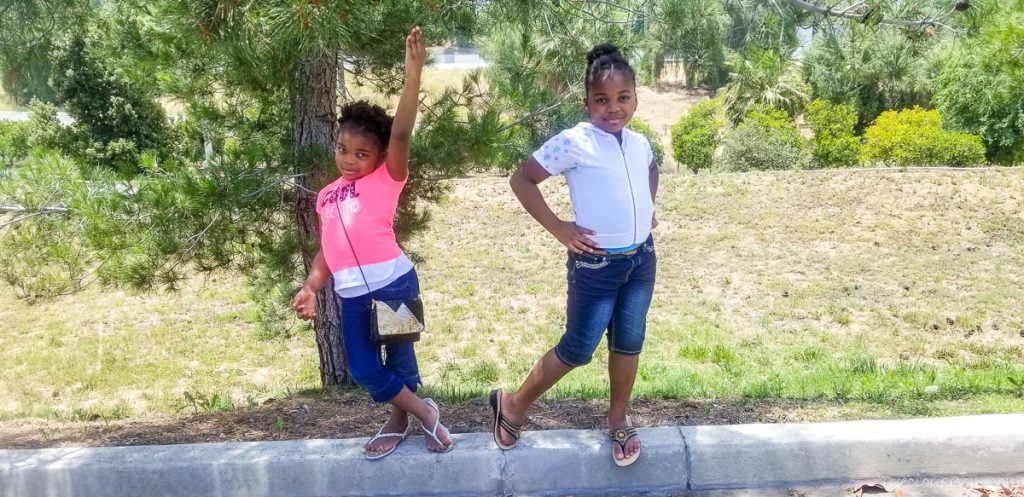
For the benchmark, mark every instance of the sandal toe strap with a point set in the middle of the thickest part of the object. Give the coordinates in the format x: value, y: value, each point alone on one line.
x: 622, y: 435
x: 511, y: 428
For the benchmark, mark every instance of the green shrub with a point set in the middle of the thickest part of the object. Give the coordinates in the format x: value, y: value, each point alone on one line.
x: 778, y: 120
x: 873, y: 68
x: 640, y: 126
x: 914, y: 137
x: 44, y: 130
x: 835, y: 144
x: 13, y: 143
x: 117, y: 119
x: 766, y: 139
x: 962, y: 149
x: 695, y: 136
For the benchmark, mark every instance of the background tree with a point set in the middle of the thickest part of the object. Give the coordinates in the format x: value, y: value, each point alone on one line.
x: 260, y: 85
x: 694, y: 32
x: 872, y: 69
x: 29, y: 30
x: 288, y: 60
x: 116, y: 118
x: 537, y: 52
x: 764, y: 77
x: 981, y: 90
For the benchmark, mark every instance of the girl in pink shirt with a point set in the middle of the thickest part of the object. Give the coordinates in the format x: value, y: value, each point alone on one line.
x: 373, y: 158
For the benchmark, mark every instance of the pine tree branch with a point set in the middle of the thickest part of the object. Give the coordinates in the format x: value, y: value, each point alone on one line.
x: 580, y: 9
x: 301, y: 188
x: 617, y: 6
x: 20, y: 219
x: 279, y: 181
x: 198, y: 237
x: 850, y: 12
x: 538, y: 112
x: 543, y: 110
x: 28, y: 214
x: 4, y: 209
x: 852, y: 7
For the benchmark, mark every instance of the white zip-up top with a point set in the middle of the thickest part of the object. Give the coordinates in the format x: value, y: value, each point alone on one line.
x: 609, y: 182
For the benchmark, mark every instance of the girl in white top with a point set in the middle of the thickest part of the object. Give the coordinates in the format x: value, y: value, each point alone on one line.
x: 611, y: 262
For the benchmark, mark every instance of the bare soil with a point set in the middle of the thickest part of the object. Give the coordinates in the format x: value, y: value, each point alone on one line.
x: 349, y: 413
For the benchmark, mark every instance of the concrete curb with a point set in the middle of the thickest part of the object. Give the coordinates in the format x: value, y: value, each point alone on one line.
x: 674, y: 460
x: 754, y: 456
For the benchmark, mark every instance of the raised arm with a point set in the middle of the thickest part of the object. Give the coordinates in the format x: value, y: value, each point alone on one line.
x: 405, y: 115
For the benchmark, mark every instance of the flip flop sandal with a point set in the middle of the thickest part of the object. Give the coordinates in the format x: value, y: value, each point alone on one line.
x: 380, y: 434
x: 432, y: 433
x: 503, y: 423
x: 621, y: 437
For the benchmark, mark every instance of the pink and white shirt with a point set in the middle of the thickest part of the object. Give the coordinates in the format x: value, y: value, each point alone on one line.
x: 367, y: 207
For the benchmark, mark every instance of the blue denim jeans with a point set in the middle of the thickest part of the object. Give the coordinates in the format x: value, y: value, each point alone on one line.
x: 382, y: 372
x: 607, y: 292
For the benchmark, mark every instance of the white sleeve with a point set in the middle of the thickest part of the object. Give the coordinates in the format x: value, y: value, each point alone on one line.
x: 557, y: 154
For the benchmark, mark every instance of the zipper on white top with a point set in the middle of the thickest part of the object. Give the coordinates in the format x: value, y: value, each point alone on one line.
x: 629, y: 179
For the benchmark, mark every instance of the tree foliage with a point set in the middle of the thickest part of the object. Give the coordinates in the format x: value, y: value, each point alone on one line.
x: 914, y: 137
x: 871, y: 69
x: 981, y: 90
x: 693, y: 32
x: 695, y: 136
x: 764, y: 78
x: 835, y: 144
x: 116, y: 119
x: 31, y: 30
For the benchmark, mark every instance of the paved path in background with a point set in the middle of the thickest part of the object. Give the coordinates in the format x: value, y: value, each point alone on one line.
x: 14, y: 115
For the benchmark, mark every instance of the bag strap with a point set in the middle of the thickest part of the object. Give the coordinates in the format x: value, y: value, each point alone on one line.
x: 341, y: 220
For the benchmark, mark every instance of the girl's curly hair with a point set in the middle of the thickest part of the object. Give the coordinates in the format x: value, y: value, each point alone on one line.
x: 364, y: 117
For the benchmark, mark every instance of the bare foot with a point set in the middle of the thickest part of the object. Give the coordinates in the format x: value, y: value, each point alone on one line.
x: 395, y: 427
x: 437, y: 436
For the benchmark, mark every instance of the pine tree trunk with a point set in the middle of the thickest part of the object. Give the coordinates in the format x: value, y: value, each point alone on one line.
x: 314, y: 100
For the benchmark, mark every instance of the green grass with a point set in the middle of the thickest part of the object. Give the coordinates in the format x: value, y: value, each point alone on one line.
x: 770, y: 286
x: 871, y: 294
x: 114, y: 354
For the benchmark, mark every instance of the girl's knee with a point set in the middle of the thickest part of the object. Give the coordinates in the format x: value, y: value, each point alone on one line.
x: 382, y: 384
x: 573, y: 357
x: 626, y: 343
x: 367, y: 377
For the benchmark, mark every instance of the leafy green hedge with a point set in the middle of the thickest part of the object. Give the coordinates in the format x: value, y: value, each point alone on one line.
x: 766, y: 139
x: 835, y: 144
x: 13, y: 143
x: 914, y: 137
x: 695, y: 136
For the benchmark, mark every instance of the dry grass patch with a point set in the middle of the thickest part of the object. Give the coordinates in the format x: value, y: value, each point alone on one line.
x: 898, y: 291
